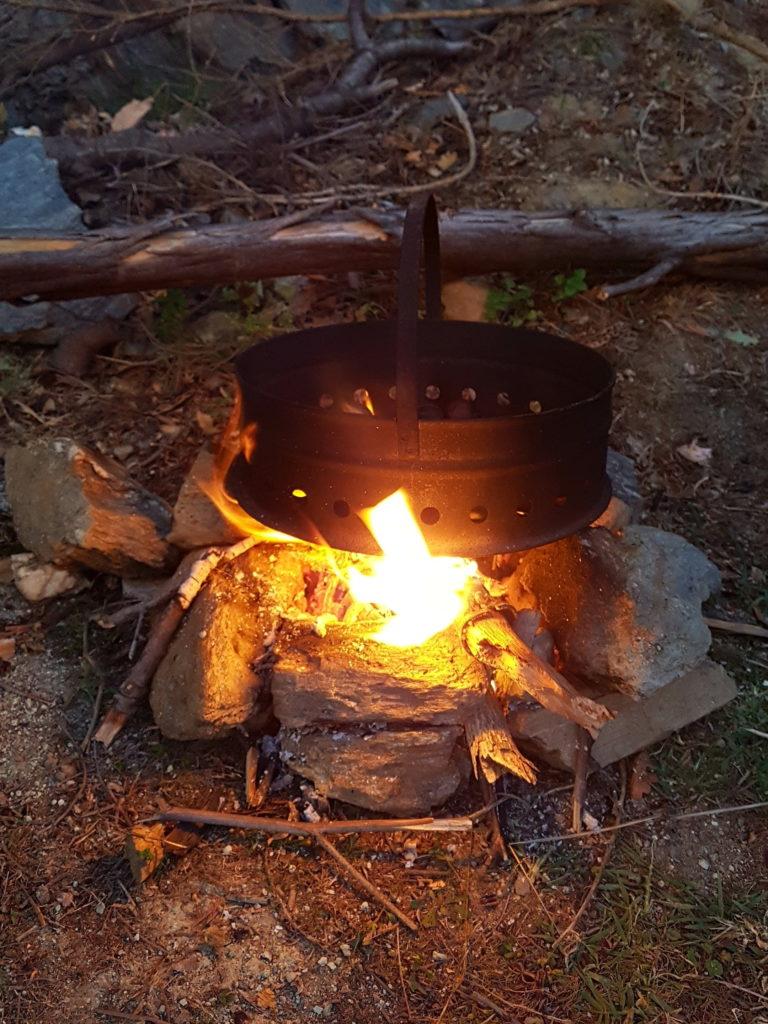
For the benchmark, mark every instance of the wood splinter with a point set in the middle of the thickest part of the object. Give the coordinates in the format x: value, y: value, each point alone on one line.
x: 491, y: 746
x: 491, y: 639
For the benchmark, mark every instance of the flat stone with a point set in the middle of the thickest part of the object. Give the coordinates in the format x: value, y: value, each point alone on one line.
x: 401, y: 772
x: 197, y: 522
x: 642, y: 724
x: 73, y: 507
x: 625, y: 611
x: 512, y: 121
x: 344, y: 678
x: 637, y: 725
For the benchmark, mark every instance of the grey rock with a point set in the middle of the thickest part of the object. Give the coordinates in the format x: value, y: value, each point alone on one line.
x: 235, y: 41
x: 637, y: 726
x: 73, y: 507
x: 401, y: 772
x: 430, y: 113
x: 31, y: 195
x: 625, y: 610
x: 512, y: 121
x: 197, y: 522
x: 623, y: 476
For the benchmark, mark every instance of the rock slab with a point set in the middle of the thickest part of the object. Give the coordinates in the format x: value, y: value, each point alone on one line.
x: 73, y: 507
x: 402, y: 772
x: 637, y: 725
x: 197, y: 523
x: 625, y: 610
x: 320, y: 680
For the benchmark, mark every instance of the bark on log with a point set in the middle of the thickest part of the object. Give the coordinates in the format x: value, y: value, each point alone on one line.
x: 493, y: 641
x: 712, y: 245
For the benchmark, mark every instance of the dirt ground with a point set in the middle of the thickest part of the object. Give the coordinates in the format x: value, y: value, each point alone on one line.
x: 629, y: 103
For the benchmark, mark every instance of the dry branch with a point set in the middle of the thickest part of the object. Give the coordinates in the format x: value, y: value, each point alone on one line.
x: 155, y: 256
x: 491, y: 639
x: 278, y: 826
x: 134, y: 687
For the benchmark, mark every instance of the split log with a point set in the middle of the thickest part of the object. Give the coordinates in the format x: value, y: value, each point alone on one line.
x: 492, y: 640
x: 732, y: 246
x: 491, y: 746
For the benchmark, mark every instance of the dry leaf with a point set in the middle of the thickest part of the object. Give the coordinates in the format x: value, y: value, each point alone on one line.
x: 205, y: 422
x: 266, y: 999
x: 447, y: 160
x: 216, y: 936
x: 694, y: 452
x: 129, y: 115
x: 413, y: 156
x: 7, y: 648
x: 641, y: 778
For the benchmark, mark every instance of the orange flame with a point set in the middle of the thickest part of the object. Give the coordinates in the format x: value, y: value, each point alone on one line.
x: 425, y: 592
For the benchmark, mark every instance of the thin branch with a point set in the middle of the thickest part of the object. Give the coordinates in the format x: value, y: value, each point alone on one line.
x: 279, y: 826
x: 364, y: 884
x: 649, y: 277
x: 729, y: 197
x: 738, y: 628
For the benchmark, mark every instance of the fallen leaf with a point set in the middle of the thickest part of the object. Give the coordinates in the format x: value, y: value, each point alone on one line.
x: 128, y: 116
x: 413, y: 156
x: 7, y: 648
x: 205, y: 422
x: 266, y: 999
x: 641, y: 778
x: 741, y: 338
x: 216, y: 936
x: 447, y: 160
x: 694, y: 452
x: 66, y: 899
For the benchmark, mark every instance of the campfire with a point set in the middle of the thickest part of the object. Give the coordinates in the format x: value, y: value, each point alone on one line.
x: 419, y: 574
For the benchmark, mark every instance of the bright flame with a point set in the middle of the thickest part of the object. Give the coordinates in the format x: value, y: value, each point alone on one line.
x: 425, y: 593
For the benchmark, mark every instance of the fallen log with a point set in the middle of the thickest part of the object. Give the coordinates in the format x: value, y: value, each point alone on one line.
x: 729, y: 246
x: 491, y: 747
x: 491, y: 639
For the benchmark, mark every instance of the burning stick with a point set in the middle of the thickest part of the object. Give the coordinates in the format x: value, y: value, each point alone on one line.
x: 136, y: 683
x: 491, y: 639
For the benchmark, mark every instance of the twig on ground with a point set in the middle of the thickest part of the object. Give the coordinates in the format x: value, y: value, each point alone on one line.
x: 363, y: 882
x: 601, y: 867
x: 135, y: 686
x: 685, y: 816
x: 650, y: 277
x: 280, y: 826
x: 738, y: 628
x: 90, y: 661
x: 287, y: 915
x: 580, y: 772
x: 402, y: 976
x: 729, y: 197
x: 711, y: 25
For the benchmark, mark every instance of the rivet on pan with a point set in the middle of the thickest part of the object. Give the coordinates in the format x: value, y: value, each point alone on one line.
x: 534, y: 406
x: 326, y: 401
x: 432, y: 392
x: 469, y: 394
x: 503, y: 399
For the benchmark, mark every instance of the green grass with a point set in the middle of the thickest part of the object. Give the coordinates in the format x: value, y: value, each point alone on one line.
x: 657, y: 948
x: 718, y: 759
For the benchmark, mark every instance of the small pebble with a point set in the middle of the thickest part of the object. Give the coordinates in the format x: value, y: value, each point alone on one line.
x: 704, y: 864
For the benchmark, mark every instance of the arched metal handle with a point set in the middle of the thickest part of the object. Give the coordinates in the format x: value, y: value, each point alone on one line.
x: 420, y: 246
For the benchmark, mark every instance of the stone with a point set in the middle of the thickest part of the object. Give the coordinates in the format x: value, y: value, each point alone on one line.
x: 197, y: 522
x: 511, y: 121
x: 237, y: 41
x: 401, y: 772
x: 625, y: 611
x: 39, y: 581
x: 430, y: 113
x: 31, y: 197
x: 343, y: 678
x: 638, y: 724
x: 207, y: 683
x: 623, y: 476
x: 73, y: 507
x: 465, y: 300
x: 642, y: 724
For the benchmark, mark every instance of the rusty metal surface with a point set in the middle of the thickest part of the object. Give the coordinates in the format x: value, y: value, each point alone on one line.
x: 498, y: 435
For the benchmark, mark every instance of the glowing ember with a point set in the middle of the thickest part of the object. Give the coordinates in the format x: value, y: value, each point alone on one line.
x: 425, y: 593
